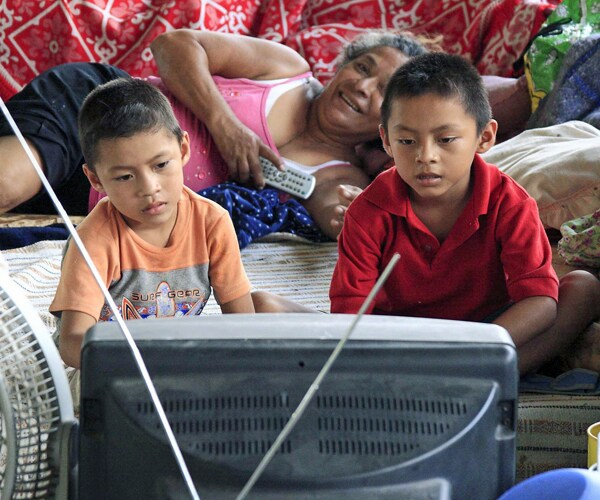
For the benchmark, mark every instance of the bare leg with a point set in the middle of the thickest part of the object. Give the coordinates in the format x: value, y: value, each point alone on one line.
x: 18, y: 179
x: 265, y: 302
x: 578, y: 307
x: 585, y: 352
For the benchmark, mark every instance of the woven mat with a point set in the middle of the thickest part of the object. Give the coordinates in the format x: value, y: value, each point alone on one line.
x: 286, y: 266
x: 30, y: 220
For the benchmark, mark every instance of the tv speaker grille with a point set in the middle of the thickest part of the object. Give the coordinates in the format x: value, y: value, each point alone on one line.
x: 343, y: 423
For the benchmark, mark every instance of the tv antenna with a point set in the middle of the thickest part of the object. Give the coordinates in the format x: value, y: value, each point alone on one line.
x: 314, y: 387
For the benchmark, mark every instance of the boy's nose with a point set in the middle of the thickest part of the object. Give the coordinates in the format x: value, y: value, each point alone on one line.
x: 149, y: 185
x: 427, y: 153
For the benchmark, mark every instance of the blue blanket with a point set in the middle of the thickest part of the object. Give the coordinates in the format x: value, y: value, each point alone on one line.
x: 16, y: 237
x: 258, y: 212
x: 575, y: 94
x: 255, y: 213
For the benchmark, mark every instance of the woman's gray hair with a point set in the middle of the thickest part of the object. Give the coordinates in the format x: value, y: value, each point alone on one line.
x: 410, y: 45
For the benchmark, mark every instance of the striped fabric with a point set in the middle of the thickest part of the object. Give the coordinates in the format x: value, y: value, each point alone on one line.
x: 286, y: 266
x: 551, y: 432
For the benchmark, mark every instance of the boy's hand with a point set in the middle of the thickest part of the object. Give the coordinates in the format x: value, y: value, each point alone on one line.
x: 73, y: 325
x: 346, y: 194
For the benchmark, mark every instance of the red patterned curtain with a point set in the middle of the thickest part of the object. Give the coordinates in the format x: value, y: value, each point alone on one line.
x: 38, y: 34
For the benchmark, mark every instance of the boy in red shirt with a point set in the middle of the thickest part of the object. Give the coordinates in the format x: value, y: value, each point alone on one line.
x: 471, y: 242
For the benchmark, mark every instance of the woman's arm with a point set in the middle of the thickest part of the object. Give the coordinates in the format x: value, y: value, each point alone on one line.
x: 185, y: 52
x: 186, y: 61
x: 346, y: 194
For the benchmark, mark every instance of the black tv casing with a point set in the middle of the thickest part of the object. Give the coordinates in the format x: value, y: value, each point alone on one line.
x: 412, y: 408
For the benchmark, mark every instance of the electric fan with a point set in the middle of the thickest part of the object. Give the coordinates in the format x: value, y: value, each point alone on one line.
x: 36, y: 409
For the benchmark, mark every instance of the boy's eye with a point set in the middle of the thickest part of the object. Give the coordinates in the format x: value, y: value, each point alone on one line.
x: 122, y: 178
x: 447, y: 140
x: 406, y: 142
x: 162, y: 164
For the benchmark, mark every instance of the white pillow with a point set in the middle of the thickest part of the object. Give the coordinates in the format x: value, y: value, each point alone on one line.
x: 559, y: 166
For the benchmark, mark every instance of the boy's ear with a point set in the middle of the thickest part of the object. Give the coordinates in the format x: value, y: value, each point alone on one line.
x: 487, y: 138
x: 93, y: 178
x: 185, y: 148
x: 385, y: 141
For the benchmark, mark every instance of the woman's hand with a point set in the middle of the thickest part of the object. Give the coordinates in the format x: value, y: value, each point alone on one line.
x: 241, y: 148
x: 346, y: 195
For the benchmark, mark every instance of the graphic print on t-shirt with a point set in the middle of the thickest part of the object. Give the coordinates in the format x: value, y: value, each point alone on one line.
x: 139, y: 297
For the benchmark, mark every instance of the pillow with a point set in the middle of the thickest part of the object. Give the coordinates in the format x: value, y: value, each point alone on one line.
x: 490, y: 34
x: 320, y: 46
x: 280, y: 19
x: 511, y: 104
x: 558, y: 166
x: 36, y: 36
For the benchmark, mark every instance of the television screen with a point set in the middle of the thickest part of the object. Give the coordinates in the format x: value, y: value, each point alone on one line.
x: 412, y: 408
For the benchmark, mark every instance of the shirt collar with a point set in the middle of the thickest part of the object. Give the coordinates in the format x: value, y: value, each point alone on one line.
x: 390, y: 192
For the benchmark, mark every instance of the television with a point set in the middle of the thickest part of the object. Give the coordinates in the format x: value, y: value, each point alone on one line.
x: 412, y: 408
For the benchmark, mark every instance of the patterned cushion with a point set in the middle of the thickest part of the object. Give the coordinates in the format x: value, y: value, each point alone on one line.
x: 37, y: 35
x: 491, y: 34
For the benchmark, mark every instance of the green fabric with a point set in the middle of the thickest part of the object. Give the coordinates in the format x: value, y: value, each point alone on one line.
x: 571, y: 20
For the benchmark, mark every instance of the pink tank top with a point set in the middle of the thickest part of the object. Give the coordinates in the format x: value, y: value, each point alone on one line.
x: 247, y: 99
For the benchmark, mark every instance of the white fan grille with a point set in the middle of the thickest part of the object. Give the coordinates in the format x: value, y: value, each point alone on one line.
x: 33, y: 416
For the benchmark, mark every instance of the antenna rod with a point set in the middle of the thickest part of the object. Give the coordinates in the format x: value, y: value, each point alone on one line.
x: 314, y: 387
x: 109, y: 300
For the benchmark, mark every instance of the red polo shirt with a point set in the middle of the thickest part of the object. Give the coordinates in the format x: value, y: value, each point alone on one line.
x: 496, y: 253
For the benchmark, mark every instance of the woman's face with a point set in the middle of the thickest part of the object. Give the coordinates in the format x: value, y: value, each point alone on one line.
x: 349, y: 106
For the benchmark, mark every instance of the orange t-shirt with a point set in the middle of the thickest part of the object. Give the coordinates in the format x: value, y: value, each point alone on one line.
x: 149, y: 281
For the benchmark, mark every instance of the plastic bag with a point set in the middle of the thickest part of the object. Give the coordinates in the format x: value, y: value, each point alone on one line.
x: 571, y: 20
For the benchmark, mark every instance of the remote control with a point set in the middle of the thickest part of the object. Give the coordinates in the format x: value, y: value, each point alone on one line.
x: 291, y: 180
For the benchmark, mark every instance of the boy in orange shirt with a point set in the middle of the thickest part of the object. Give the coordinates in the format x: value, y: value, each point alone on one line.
x: 159, y: 247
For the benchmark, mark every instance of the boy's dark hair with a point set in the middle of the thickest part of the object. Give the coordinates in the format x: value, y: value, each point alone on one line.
x: 122, y: 108
x: 445, y: 75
